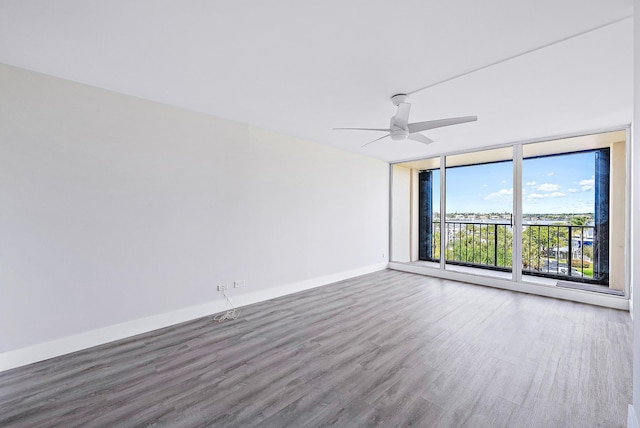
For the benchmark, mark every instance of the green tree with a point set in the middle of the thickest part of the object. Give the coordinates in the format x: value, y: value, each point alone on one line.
x: 435, y: 242
x: 579, y: 220
x: 481, y: 244
x: 540, y: 241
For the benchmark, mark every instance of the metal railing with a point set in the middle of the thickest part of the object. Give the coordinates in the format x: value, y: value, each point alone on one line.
x: 558, y: 251
x: 555, y: 251
x: 486, y: 245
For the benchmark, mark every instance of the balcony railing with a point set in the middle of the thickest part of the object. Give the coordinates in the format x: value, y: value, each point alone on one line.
x: 559, y: 251
x: 554, y: 251
x: 486, y: 245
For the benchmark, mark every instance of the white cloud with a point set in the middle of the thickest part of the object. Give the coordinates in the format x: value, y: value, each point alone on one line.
x: 502, y: 193
x: 550, y: 174
x: 504, y: 182
x: 572, y: 190
x: 548, y: 187
x: 531, y: 183
x: 546, y: 195
x: 587, y: 184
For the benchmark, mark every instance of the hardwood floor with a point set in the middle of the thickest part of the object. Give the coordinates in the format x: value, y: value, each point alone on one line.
x: 384, y: 349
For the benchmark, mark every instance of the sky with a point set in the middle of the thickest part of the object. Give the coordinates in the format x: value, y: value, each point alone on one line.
x: 555, y: 184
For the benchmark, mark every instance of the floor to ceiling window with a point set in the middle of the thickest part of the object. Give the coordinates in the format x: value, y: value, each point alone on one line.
x: 564, y: 235
x: 479, y: 211
x: 573, y: 199
x: 567, y: 198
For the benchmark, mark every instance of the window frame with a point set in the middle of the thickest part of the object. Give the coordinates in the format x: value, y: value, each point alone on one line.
x: 517, y: 283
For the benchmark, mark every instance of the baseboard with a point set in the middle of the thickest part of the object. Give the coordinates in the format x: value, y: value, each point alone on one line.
x: 606, y: 300
x: 283, y: 290
x: 632, y: 418
x: 66, y: 345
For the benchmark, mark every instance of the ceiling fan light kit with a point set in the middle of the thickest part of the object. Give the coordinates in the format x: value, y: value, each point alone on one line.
x: 400, y: 128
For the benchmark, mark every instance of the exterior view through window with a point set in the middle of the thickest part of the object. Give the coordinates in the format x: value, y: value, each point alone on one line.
x: 565, y: 216
x: 479, y: 223
x: 572, y: 212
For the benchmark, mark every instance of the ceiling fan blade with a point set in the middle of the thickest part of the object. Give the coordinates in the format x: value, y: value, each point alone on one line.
x: 431, y: 124
x: 364, y: 129
x: 385, y: 136
x: 420, y: 138
x: 401, y: 119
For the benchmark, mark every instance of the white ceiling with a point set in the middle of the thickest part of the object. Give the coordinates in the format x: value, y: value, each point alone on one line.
x: 304, y: 67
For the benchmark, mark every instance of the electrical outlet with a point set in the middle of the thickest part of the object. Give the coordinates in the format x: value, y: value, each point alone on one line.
x: 239, y: 283
x: 222, y: 287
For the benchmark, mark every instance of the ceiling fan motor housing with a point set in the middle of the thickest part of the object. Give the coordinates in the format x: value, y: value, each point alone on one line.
x: 398, y: 98
x: 399, y: 133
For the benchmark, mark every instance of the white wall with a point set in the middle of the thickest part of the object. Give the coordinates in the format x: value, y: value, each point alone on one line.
x: 401, y: 214
x: 114, y: 208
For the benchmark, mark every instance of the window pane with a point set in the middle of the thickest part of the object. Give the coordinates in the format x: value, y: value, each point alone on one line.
x: 558, y: 200
x: 479, y: 202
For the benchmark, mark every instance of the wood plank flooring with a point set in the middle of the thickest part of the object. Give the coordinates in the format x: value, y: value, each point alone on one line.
x: 385, y: 349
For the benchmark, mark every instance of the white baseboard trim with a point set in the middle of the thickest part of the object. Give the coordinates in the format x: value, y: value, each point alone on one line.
x: 632, y: 418
x: 271, y: 293
x: 88, y: 339
x: 608, y: 301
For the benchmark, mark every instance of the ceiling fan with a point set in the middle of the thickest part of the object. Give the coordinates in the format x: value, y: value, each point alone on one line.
x: 401, y: 129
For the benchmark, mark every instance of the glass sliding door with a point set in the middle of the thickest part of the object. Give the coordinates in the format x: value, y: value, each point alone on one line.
x: 479, y: 219
x: 572, y: 204
x: 559, y: 216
